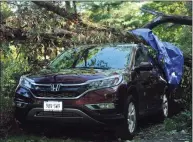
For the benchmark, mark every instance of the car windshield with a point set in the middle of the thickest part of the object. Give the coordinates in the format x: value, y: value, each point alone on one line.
x: 101, y: 57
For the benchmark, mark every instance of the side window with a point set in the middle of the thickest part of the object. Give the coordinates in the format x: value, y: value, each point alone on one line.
x: 140, y: 57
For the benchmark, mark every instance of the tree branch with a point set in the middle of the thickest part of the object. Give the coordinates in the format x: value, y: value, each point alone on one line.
x: 162, y: 18
x: 9, y: 34
x: 60, y: 11
x: 151, y: 11
x: 70, y: 16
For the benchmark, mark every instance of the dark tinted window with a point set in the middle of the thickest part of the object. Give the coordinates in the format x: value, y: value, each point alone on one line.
x: 140, y: 57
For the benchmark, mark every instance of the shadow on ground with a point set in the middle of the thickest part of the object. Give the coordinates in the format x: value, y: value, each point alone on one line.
x: 88, y: 133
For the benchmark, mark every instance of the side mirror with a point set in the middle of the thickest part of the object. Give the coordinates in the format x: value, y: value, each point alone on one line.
x: 144, y: 66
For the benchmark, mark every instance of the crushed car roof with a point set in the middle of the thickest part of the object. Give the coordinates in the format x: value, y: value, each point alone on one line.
x: 169, y: 57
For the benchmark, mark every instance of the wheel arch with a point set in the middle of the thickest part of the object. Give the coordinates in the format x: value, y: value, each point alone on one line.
x: 132, y: 90
x: 124, y: 92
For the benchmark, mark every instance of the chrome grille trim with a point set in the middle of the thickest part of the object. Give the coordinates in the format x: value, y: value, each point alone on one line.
x: 57, y: 95
x: 80, y: 84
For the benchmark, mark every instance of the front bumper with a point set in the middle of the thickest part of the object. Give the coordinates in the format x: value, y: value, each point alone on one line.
x: 74, y: 110
x: 67, y: 116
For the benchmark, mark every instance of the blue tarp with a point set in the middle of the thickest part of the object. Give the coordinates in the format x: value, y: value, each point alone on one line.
x: 167, y: 52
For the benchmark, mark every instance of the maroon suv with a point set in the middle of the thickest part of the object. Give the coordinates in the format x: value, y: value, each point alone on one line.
x: 103, y: 84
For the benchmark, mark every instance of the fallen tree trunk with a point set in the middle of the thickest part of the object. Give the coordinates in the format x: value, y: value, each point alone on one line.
x: 162, y: 18
x: 74, y: 17
x: 64, y: 37
x: 9, y: 33
x: 183, y: 20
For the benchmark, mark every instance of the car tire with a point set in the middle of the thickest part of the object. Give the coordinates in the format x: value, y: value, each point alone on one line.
x: 130, y: 121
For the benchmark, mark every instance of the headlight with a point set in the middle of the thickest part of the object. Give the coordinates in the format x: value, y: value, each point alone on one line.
x: 25, y: 82
x: 105, y: 82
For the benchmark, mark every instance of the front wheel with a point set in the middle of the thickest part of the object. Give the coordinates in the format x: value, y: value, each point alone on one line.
x: 130, y: 123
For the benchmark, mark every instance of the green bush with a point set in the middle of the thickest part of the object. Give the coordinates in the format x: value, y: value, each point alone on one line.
x: 13, y: 66
x: 179, y: 122
x: 185, y: 90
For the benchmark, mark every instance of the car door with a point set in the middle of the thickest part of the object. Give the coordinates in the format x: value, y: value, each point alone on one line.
x: 140, y: 79
x: 159, y: 87
x: 148, y: 84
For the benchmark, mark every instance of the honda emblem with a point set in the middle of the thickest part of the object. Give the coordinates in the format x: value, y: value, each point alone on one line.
x: 55, y: 87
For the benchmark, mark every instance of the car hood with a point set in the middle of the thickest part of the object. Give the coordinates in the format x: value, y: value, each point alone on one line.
x: 71, y: 76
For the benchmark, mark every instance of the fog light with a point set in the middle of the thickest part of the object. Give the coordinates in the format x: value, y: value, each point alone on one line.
x: 20, y: 104
x: 100, y: 106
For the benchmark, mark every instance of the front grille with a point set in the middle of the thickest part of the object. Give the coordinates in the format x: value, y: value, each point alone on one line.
x: 57, y: 94
x: 62, y: 88
x: 57, y: 114
x: 64, y: 92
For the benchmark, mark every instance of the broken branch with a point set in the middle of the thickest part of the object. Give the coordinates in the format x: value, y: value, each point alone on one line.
x: 162, y: 18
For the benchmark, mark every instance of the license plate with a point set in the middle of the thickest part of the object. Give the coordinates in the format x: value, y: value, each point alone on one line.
x: 52, y: 106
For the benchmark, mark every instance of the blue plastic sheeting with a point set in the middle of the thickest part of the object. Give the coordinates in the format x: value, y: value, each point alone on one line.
x: 170, y: 54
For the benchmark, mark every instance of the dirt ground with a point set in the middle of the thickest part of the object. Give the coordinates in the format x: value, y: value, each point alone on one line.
x: 149, y: 130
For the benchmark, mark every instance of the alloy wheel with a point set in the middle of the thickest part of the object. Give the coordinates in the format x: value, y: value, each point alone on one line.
x: 131, y: 117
